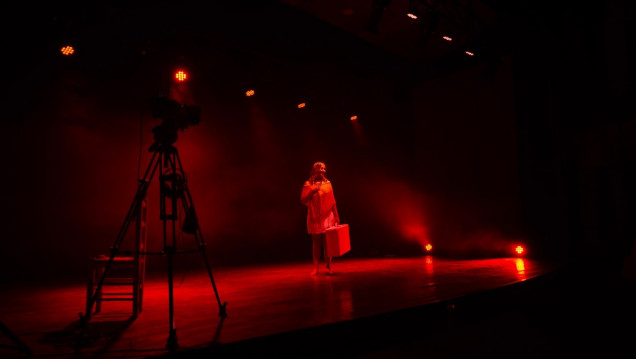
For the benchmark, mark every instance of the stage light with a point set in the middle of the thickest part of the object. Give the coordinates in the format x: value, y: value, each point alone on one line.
x: 412, y: 10
x: 301, y: 105
x: 180, y: 76
x: 469, y: 53
x: 447, y: 38
x: 519, y: 250
x: 353, y: 118
x: 249, y: 93
x: 67, y: 50
x: 428, y: 247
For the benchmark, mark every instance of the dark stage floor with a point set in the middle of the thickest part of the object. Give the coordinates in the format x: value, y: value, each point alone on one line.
x: 422, y: 307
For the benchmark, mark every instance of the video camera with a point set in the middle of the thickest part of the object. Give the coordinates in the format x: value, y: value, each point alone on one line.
x: 175, y: 117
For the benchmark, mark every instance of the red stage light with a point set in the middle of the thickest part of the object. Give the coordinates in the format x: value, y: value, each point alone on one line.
x: 301, y: 105
x: 353, y: 118
x: 428, y: 247
x: 519, y: 250
x: 180, y: 75
x: 249, y: 93
x: 67, y: 50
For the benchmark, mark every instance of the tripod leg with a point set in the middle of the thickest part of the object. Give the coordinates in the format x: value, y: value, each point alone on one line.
x: 14, y: 338
x: 170, y: 184
x: 191, y: 219
x: 222, y: 307
x: 172, y: 333
x: 191, y: 225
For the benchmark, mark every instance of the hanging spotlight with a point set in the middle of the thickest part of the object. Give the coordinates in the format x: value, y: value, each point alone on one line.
x: 412, y: 11
x: 180, y: 75
x: 67, y: 50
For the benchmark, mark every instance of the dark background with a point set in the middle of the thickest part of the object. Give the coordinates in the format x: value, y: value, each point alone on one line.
x: 531, y: 140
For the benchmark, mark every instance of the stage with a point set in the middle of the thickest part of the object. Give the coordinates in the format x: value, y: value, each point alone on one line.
x: 367, y: 308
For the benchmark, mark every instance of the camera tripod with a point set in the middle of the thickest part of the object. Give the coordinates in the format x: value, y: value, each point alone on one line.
x: 173, y: 192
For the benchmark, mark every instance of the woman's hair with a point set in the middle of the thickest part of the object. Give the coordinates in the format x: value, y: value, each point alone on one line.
x: 315, y: 170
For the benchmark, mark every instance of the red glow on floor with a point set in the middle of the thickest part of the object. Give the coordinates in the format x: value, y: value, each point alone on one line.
x: 521, y: 268
x: 293, y: 300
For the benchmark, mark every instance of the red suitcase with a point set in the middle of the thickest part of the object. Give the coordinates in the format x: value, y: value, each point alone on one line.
x: 338, y: 242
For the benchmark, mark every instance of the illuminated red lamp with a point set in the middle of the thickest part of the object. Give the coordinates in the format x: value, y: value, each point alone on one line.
x: 353, y: 118
x: 519, y: 250
x: 301, y: 105
x: 428, y: 247
x: 180, y: 76
x: 249, y: 93
x: 67, y: 50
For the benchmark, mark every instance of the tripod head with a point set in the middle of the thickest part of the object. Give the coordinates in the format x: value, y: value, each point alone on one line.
x: 176, y: 117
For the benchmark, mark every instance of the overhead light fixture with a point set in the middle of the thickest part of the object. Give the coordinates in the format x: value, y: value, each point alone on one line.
x: 180, y: 75
x: 412, y: 11
x: 67, y: 50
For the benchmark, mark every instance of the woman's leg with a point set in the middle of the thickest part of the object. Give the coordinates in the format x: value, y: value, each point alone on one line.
x: 316, y: 240
x: 323, y: 241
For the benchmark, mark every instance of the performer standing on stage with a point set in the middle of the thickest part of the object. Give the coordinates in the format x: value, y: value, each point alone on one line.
x: 317, y: 195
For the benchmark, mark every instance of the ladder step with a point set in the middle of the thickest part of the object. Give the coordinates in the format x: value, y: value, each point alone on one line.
x: 118, y: 283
